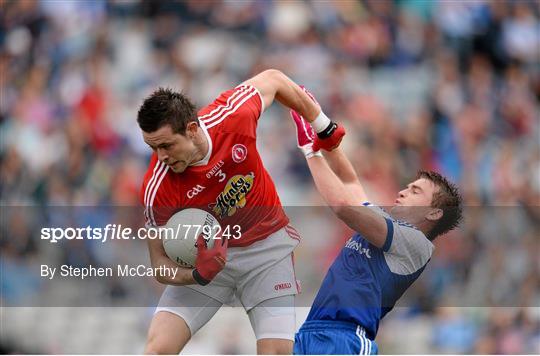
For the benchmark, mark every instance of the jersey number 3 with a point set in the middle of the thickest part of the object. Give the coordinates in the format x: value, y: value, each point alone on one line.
x: 222, y: 176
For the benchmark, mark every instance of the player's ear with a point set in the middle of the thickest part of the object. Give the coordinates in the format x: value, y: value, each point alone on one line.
x: 434, y: 214
x: 191, y: 129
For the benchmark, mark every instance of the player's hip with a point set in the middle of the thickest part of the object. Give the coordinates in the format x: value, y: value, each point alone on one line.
x: 261, y: 224
x: 282, y: 236
x: 258, y: 272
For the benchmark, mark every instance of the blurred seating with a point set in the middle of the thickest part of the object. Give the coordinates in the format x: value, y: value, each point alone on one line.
x: 452, y: 86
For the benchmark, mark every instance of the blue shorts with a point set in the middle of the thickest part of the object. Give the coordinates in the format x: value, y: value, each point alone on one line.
x: 333, y: 338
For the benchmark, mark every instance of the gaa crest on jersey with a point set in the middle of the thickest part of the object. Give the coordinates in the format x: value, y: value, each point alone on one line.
x: 233, y: 197
x: 239, y: 153
x: 195, y: 190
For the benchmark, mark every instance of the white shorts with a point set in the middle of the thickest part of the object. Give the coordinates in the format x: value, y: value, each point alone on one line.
x: 271, y: 319
x: 253, y: 274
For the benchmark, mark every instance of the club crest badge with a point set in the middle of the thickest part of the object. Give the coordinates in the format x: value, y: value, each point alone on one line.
x: 239, y: 153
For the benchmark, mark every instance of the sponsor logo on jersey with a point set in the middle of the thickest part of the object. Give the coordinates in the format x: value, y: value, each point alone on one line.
x: 356, y: 246
x: 281, y: 286
x: 233, y: 197
x: 215, y: 169
x: 239, y: 153
x: 194, y: 191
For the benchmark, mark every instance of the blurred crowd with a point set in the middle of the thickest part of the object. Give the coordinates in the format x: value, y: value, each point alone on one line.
x: 452, y: 86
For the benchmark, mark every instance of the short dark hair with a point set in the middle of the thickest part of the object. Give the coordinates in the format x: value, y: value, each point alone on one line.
x: 448, y: 199
x: 166, y: 107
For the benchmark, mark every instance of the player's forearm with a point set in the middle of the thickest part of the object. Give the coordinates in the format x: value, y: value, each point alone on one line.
x: 340, y: 164
x: 292, y: 96
x: 342, y: 167
x: 328, y: 184
x: 346, y: 205
x: 175, y: 275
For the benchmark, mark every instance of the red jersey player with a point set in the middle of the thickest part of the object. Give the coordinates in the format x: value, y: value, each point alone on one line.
x: 209, y: 160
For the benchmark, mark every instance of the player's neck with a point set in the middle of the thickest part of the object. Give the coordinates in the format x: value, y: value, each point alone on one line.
x: 424, y: 226
x: 421, y: 224
x: 202, y: 146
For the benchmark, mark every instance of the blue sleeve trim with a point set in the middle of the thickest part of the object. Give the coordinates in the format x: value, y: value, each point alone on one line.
x: 389, y: 235
x: 366, y: 203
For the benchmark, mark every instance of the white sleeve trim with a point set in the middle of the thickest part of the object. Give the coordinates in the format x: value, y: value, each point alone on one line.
x: 263, y: 108
x: 262, y: 101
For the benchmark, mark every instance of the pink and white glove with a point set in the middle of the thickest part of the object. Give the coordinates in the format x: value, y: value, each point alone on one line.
x: 322, y: 132
x: 305, y: 135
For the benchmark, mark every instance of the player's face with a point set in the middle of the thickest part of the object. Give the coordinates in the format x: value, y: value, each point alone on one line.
x: 175, y: 150
x: 415, y: 199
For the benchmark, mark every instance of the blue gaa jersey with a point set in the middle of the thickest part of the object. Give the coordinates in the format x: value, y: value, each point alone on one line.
x: 365, y: 282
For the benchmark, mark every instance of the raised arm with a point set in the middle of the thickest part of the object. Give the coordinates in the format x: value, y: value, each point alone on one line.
x: 273, y: 84
x: 343, y: 193
x: 347, y: 205
x: 342, y: 167
x: 336, y: 159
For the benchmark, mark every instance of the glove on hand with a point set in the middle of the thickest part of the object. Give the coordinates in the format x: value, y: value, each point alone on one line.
x: 329, y: 138
x: 209, y: 262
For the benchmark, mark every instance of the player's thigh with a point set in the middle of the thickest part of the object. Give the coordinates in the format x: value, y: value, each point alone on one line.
x: 180, y: 314
x: 168, y: 334
x: 274, y: 322
x: 274, y: 347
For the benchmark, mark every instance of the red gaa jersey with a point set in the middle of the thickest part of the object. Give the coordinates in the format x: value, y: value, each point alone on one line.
x: 230, y: 182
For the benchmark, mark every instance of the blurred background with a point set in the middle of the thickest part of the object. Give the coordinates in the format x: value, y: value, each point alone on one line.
x: 452, y: 86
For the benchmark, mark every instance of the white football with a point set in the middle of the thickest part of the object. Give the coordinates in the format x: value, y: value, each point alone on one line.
x: 183, y: 228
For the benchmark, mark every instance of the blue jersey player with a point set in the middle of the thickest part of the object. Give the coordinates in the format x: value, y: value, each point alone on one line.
x: 380, y: 261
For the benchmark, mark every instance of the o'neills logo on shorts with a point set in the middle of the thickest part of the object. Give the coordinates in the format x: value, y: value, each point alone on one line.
x: 281, y: 286
x: 233, y: 196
